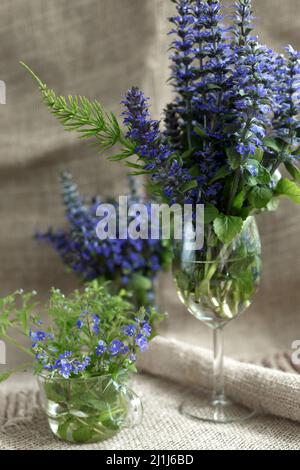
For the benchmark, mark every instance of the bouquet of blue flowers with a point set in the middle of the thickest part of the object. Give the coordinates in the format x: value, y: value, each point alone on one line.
x: 88, y: 333
x: 233, y: 121
x: 132, y: 264
x: 82, y: 356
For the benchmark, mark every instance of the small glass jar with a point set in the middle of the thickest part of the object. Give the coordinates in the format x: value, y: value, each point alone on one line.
x: 87, y: 410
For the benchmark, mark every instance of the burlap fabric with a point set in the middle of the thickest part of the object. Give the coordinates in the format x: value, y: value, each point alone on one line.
x: 99, y: 48
x: 23, y: 425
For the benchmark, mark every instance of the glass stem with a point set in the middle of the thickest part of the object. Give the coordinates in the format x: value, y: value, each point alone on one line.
x: 218, y: 367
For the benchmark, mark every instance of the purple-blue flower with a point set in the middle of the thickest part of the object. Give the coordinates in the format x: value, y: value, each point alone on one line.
x: 245, y: 149
x: 65, y: 369
x: 96, y: 323
x: 142, y: 342
x: 116, y: 347
x: 146, y: 329
x: 81, y: 366
x: 66, y: 355
x: 286, y: 97
x: 129, y: 330
x: 150, y: 146
x: 38, y: 336
x: 132, y: 357
x: 100, y: 350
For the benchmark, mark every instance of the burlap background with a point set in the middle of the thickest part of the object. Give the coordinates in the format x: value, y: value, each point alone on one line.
x: 99, y: 48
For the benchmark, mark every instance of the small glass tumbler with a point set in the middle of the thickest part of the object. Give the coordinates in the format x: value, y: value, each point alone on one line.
x: 87, y: 410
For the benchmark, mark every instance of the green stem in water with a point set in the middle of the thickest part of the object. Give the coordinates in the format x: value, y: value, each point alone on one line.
x: 235, y: 185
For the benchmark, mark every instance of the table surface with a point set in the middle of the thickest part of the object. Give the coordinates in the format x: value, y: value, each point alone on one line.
x: 163, y: 426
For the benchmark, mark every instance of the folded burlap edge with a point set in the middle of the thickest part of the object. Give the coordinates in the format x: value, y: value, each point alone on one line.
x: 18, y: 407
x: 255, y: 386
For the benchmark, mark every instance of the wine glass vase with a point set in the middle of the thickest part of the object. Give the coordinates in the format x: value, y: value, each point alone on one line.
x: 217, y: 284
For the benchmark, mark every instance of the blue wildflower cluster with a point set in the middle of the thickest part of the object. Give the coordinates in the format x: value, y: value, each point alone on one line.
x: 234, y: 118
x: 287, y: 89
x: 149, y: 145
x: 135, y: 337
x: 90, y: 333
x: 122, y: 261
x: 251, y: 95
x: 66, y: 365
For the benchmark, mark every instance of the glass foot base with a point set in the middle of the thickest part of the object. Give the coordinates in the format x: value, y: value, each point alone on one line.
x: 202, y: 407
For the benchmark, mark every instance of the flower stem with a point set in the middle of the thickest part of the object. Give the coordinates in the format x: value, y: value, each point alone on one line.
x: 18, y: 345
x: 235, y: 185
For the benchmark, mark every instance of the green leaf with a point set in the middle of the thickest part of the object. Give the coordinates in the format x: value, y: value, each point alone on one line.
x: 138, y: 173
x: 244, y: 212
x: 189, y: 186
x: 272, y: 144
x: 234, y: 158
x: 77, y: 113
x: 293, y: 171
x: 212, y: 86
x: 276, y: 176
x: 221, y: 173
x: 136, y: 166
x: 240, y: 265
x: 140, y: 282
x: 63, y: 428
x: 288, y: 188
x: 259, y: 153
x: 200, y: 131
x: 83, y: 434
x: 262, y: 177
x: 128, y: 144
x: 5, y: 375
x: 99, y: 405
x: 239, y: 200
x: 227, y: 227
x: 210, y: 213
x: 195, y: 171
x: 246, y: 284
x: 185, y: 154
x: 273, y: 204
x: 260, y: 196
x: 132, y: 368
x: 121, y: 156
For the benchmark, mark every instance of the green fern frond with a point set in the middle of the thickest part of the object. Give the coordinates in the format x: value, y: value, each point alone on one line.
x: 77, y: 113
